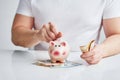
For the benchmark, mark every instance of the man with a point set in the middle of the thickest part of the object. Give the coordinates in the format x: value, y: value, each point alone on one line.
x: 38, y: 22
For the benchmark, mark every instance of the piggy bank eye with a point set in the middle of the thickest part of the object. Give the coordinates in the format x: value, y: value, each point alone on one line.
x: 59, y: 46
x: 55, y: 45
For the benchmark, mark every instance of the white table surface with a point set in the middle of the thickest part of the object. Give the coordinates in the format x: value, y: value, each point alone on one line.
x: 17, y: 65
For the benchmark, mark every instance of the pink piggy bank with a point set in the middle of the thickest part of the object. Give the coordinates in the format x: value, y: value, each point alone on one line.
x: 58, y: 51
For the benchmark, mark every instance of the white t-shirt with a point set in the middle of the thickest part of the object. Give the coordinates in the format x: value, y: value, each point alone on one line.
x: 78, y: 20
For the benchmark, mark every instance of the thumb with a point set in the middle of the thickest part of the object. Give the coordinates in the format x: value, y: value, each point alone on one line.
x: 59, y: 35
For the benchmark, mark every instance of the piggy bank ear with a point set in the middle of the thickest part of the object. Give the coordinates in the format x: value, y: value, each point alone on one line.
x: 51, y: 43
x: 63, y: 43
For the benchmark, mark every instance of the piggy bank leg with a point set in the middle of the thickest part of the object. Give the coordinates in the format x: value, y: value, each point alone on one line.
x: 53, y: 60
x: 62, y: 61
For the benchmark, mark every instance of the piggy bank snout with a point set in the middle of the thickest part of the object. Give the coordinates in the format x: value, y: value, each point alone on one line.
x: 56, y: 53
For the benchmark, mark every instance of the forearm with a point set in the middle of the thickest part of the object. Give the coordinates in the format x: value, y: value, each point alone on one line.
x: 25, y: 37
x: 111, y: 45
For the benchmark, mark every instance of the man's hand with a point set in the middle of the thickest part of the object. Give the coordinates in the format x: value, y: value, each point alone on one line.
x: 48, y: 33
x: 94, y: 55
x: 110, y: 46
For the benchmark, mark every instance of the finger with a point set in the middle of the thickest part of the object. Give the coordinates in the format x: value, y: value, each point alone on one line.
x: 47, y: 38
x: 52, y: 28
x: 93, y: 61
x: 88, y: 58
x: 87, y: 54
x: 59, y: 35
x: 50, y: 34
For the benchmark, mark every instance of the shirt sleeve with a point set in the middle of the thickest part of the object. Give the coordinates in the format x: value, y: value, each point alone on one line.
x: 112, y: 9
x: 25, y: 8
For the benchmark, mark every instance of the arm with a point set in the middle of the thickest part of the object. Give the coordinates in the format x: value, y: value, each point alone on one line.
x: 110, y: 46
x: 112, y: 31
x: 23, y: 35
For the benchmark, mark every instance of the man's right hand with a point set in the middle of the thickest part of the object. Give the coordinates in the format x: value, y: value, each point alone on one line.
x: 48, y: 33
x: 23, y: 35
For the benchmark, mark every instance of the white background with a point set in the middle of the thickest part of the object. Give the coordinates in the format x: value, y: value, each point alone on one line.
x: 7, y: 12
